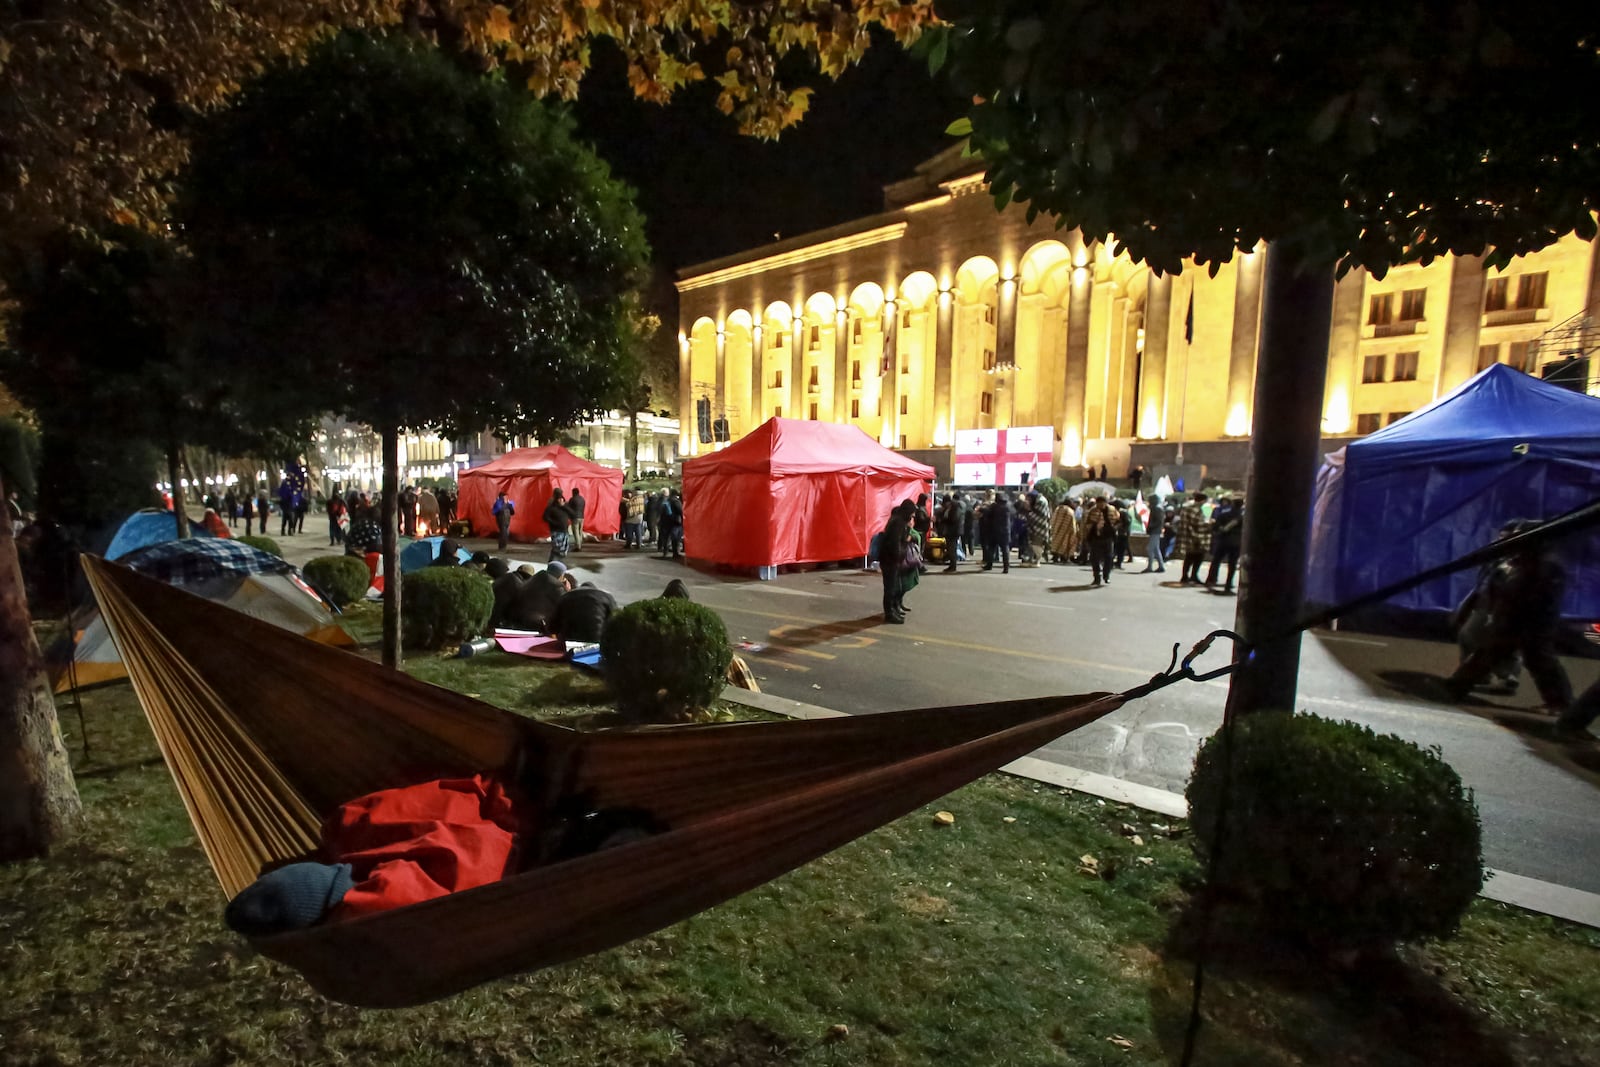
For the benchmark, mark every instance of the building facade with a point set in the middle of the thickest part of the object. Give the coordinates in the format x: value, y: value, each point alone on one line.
x: 941, y: 315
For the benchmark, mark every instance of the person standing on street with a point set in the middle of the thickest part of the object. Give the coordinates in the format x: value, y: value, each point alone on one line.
x: 672, y: 525
x: 891, y: 561
x: 1123, y: 553
x: 503, y: 509
x: 576, y: 506
x: 248, y: 506
x: 1064, y: 532
x: 1227, y: 532
x: 559, y: 519
x: 336, y: 519
x: 230, y: 507
x: 997, y: 534
x: 1194, y: 537
x: 1100, y: 534
x: 652, y: 517
x: 1155, y: 527
x: 1524, y: 594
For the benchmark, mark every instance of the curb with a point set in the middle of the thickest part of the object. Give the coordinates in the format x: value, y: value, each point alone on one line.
x: 1530, y: 894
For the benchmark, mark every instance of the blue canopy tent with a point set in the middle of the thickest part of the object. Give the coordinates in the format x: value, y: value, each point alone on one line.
x: 150, y: 526
x: 423, y: 551
x: 1442, y: 481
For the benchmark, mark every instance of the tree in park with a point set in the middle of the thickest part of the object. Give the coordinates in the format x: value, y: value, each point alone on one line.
x: 413, y: 246
x: 1361, y: 134
x: 98, y: 99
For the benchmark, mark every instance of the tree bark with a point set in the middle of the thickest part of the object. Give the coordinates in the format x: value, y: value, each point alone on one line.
x: 194, y: 483
x: 179, y: 512
x: 390, y: 510
x: 39, y: 802
x: 1285, y: 446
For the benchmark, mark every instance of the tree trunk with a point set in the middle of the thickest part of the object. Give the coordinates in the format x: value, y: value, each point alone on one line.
x: 38, y: 799
x: 179, y: 512
x: 633, y: 442
x: 1297, y: 312
x: 390, y: 511
x: 194, y: 483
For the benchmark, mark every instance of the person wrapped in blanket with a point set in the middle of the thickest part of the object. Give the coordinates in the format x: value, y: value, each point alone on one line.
x: 403, y: 846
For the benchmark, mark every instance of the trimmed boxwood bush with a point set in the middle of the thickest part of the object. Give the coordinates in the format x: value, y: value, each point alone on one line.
x: 1344, y: 837
x: 666, y: 660
x: 443, y: 605
x: 265, y: 544
x: 344, y: 578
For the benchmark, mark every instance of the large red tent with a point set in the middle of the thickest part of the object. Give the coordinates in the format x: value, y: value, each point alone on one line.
x: 794, y: 491
x: 529, y: 476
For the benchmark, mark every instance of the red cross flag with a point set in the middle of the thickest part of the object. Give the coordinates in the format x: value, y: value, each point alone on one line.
x: 1002, y: 457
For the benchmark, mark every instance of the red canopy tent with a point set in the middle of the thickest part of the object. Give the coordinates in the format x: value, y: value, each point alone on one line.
x: 794, y: 491
x: 529, y: 476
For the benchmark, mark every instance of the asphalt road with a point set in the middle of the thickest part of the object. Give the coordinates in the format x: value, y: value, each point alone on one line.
x: 975, y: 636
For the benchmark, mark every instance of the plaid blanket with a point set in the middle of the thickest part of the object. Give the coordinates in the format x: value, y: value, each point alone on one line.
x: 1194, y: 531
x: 197, y: 560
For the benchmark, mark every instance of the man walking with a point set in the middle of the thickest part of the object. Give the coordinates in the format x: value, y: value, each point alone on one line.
x: 575, y: 507
x: 503, y: 509
x: 1100, y: 533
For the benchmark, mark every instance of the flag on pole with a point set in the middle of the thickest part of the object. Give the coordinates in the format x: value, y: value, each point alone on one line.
x: 1188, y: 320
x: 1141, y: 509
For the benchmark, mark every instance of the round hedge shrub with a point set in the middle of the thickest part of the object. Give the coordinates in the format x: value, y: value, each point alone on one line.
x: 344, y: 578
x: 1336, y: 834
x: 265, y: 544
x: 444, y: 605
x: 666, y: 660
x: 1052, y: 489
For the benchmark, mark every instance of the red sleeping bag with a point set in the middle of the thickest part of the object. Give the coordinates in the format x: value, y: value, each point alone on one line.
x: 419, y: 842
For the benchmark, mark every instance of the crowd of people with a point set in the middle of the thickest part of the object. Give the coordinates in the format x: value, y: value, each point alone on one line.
x: 1092, y: 530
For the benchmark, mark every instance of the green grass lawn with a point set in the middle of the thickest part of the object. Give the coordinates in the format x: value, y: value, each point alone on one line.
x: 980, y: 943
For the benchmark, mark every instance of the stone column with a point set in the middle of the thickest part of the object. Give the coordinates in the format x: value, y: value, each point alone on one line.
x: 758, y: 370
x: 1151, y: 422
x: 686, y: 420
x: 1242, y: 356
x: 942, y: 434
x: 796, y: 408
x: 1077, y: 376
x: 719, y: 395
x: 1463, y: 320
x: 1005, y: 343
x: 841, y: 367
x: 889, y: 373
x: 1344, y: 342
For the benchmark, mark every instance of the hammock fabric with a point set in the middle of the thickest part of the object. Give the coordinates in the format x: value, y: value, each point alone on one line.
x: 745, y: 802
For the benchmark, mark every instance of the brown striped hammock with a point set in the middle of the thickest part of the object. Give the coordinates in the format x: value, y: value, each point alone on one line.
x: 266, y: 732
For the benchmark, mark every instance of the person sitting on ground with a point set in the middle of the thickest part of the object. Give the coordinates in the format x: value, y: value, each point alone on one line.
x: 449, y: 554
x: 581, y: 615
x: 495, y: 567
x: 534, y: 605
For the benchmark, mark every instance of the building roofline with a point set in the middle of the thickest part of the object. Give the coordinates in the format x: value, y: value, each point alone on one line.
x: 873, y: 229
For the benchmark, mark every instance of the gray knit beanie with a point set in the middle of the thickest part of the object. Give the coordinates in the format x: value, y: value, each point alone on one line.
x: 291, y: 897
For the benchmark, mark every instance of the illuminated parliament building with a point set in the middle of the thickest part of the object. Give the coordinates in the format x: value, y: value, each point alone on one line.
x: 941, y: 315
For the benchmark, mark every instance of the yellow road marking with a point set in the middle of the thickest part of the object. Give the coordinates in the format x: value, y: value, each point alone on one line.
x: 948, y: 643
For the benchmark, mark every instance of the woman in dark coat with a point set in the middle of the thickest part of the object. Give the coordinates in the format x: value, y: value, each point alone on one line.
x: 890, y: 549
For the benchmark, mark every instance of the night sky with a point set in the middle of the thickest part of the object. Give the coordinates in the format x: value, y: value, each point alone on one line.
x: 707, y: 192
